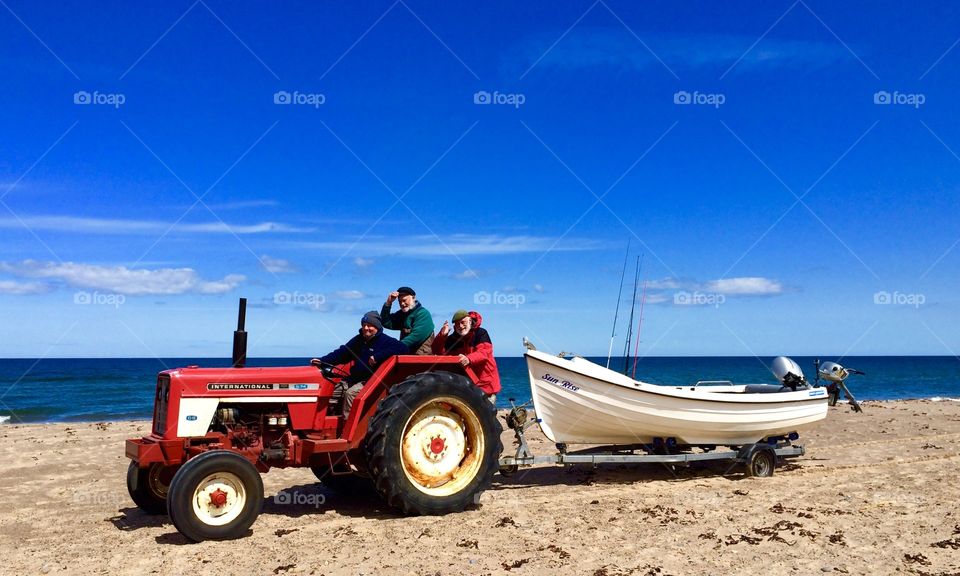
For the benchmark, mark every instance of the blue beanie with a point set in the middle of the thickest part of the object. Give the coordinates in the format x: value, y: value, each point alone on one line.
x: 373, y: 318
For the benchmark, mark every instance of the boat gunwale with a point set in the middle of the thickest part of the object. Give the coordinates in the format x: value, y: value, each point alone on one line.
x: 733, y: 397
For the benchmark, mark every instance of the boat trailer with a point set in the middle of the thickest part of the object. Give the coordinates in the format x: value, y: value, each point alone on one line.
x: 759, y: 459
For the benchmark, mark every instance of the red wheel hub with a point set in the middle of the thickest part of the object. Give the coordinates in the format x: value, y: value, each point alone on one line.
x: 218, y: 498
x: 437, y: 445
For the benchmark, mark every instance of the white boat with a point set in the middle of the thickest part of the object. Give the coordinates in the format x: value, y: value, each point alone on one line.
x: 579, y: 402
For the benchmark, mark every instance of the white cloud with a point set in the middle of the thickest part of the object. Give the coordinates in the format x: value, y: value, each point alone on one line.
x: 747, y: 286
x: 362, y: 262
x: 243, y: 204
x: 122, y: 280
x: 224, y: 228
x: 19, y: 288
x: 614, y: 47
x: 658, y: 299
x: 664, y: 284
x: 349, y: 295
x: 741, y: 286
x: 538, y: 288
x: 119, y: 226
x: 227, y: 284
x: 456, y: 245
x: 685, y: 291
x: 466, y: 275
x: 276, y: 265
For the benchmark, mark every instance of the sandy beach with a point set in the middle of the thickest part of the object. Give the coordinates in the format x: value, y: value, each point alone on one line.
x: 876, y: 493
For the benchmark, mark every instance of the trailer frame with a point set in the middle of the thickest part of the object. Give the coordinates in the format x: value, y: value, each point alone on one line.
x: 759, y: 459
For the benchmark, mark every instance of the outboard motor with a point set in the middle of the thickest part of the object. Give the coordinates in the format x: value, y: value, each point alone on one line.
x: 835, y: 374
x: 788, y: 372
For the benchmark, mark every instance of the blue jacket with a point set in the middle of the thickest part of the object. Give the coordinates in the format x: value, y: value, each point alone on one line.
x: 358, y: 350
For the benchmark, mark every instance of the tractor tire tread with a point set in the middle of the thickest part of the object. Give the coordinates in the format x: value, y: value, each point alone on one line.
x: 376, y: 444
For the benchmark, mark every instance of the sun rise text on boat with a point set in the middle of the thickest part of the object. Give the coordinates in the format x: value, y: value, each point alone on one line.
x: 565, y: 383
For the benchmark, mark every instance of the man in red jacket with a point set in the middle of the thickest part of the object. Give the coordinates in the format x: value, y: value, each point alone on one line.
x: 473, y: 346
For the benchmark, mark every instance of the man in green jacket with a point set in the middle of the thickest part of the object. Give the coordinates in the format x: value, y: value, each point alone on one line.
x: 412, y: 320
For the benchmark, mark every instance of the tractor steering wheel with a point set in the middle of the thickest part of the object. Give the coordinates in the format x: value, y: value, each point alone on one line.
x: 328, y: 370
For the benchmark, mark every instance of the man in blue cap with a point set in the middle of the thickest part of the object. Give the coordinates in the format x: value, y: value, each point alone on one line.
x: 412, y: 320
x: 367, y: 350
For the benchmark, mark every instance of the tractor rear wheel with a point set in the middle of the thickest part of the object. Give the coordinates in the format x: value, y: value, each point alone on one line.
x: 215, y: 496
x: 433, y: 444
x: 148, y: 486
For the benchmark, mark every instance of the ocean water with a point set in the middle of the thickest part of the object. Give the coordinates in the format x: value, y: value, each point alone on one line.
x: 71, y: 390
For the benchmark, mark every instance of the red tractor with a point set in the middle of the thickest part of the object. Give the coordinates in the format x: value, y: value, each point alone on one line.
x: 420, y: 430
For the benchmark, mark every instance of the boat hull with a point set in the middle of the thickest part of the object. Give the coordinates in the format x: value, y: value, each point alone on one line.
x: 579, y: 402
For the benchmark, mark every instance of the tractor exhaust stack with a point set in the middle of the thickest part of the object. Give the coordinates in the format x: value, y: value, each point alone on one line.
x: 240, y: 337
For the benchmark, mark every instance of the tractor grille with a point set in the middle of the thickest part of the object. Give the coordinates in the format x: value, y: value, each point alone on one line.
x: 160, y: 403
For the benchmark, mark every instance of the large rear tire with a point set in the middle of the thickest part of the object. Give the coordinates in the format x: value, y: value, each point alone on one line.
x: 215, y: 496
x: 148, y: 486
x: 433, y: 445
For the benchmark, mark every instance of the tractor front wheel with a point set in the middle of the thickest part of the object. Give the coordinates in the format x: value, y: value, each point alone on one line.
x: 148, y: 486
x: 215, y: 496
x: 433, y: 445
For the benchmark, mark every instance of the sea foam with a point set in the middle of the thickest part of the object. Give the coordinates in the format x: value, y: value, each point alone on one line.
x: 4, y: 419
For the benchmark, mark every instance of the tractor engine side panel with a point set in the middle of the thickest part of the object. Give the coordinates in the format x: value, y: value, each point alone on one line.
x: 195, y: 416
x: 187, y: 398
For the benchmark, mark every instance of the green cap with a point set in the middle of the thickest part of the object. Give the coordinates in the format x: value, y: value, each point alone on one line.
x: 459, y: 315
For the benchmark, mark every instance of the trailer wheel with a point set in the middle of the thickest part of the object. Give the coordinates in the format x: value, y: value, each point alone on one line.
x: 761, y: 462
x: 215, y: 496
x: 148, y: 486
x: 433, y: 444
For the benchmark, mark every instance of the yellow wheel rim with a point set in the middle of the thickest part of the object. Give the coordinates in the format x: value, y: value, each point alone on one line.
x: 219, y: 499
x: 441, y: 446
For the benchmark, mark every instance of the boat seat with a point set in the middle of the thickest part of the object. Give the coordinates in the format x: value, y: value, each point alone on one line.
x: 765, y: 389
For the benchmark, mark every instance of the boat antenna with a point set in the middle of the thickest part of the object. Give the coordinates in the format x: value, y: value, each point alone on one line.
x: 616, y: 313
x: 636, y: 346
x: 633, y: 305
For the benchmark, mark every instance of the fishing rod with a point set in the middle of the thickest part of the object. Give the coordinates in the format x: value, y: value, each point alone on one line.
x: 636, y: 346
x: 633, y: 305
x: 616, y: 313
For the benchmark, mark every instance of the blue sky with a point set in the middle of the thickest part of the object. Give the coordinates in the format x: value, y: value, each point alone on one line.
x: 789, y: 172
